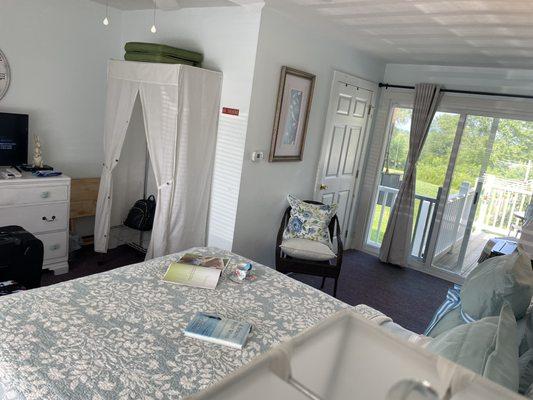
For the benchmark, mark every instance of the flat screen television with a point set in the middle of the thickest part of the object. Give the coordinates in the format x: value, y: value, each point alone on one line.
x: 13, y: 139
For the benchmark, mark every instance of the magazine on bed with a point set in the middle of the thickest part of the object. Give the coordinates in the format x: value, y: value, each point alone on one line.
x: 212, y: 328
x: 204, y: 261
x: 196, y: 271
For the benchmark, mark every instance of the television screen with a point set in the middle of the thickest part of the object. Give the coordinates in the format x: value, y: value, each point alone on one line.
x: 13, y: 139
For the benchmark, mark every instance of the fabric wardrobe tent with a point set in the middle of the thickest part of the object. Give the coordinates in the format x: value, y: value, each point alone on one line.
x: 180, y: 106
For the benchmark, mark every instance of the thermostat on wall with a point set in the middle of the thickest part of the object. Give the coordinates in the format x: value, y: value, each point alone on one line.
x: 258, y: 156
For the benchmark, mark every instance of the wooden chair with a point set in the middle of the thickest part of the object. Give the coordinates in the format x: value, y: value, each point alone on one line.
x: 325, y: 269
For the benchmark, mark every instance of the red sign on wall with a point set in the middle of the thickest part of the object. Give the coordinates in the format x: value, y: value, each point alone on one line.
x: 230, y: 111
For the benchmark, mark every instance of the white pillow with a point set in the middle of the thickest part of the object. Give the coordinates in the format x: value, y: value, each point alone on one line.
x: 306, y: 249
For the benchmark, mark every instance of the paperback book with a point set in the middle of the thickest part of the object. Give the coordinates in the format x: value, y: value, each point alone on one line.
x: 214, y: 329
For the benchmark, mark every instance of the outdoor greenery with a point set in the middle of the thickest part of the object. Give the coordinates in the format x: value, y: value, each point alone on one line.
x: 509, y: 157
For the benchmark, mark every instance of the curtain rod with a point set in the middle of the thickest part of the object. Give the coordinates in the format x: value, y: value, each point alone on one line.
x: 518, y: 96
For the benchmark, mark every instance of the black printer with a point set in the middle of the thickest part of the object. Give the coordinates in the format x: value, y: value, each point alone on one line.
x: 21, y: 257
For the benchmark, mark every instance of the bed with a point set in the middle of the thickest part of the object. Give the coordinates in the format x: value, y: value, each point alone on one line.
x: 117, y: 335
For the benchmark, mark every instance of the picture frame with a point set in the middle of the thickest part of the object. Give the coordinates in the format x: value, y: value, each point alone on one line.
x: 295, y: 97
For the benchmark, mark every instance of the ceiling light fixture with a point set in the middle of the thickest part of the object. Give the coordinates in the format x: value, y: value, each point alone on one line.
x: 154, y: 29
x: 106, y: 19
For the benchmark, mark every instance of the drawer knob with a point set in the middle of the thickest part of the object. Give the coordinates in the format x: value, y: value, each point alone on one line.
x: 45, y: 195
x: 49, y: 220
x: 54, y: 247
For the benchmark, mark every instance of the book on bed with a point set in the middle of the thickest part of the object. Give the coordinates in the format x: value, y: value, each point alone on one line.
x: 214, y: 329
x: 196, y: 270
x: 192, y: 275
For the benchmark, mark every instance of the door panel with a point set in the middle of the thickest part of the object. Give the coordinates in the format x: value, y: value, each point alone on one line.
x: 344, y: 139
x: 351, y: 153
x: 359, y: 108
x: 344, y: 104
x: 343, y: 200
x: 337, y: 141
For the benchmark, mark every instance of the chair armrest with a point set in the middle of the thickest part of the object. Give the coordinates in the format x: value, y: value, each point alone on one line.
x: 340, y: 247
x: 279, y: 237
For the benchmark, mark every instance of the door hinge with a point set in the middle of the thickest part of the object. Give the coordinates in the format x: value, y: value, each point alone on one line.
x: 369, y: 110
x: 357, y: 174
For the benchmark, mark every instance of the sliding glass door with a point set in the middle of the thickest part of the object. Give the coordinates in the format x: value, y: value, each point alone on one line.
x: 474, y: 183
x: 431, y: 172
x: 489, y: 191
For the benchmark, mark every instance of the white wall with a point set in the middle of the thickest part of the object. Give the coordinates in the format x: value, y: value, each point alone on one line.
x: 227, y: 36
x: 58, y: 52
x: 264, y: 186
x: 500, y: 80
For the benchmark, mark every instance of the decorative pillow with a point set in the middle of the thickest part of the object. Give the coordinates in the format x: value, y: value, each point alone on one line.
x: 306, y: 249
x: 496, y: 280
x: 309, y: 221
x: 525, y: 363
x: 487, y: 347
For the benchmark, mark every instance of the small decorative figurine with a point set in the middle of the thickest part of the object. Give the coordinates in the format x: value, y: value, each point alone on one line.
x: 37, y: 156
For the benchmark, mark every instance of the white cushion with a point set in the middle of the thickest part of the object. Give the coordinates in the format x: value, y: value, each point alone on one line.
x: 306, y: 249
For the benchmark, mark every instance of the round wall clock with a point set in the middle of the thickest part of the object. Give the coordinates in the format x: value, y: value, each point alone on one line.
x: 5, y: 75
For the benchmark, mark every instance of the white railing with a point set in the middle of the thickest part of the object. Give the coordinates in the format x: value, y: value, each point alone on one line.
x: 454, y: 219
x: 501, y: 199
x: 424, y: 215
x: 386, y: 198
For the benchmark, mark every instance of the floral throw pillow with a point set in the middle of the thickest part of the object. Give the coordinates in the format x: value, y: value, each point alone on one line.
x: 309, y: 221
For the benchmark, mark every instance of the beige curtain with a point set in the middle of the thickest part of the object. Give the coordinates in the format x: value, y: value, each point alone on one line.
x: 396, y: 244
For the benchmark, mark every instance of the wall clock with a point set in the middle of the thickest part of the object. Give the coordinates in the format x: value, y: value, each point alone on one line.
x: 5, y: 75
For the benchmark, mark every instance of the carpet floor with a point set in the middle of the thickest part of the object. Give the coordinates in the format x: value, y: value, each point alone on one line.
x: 409, y: 297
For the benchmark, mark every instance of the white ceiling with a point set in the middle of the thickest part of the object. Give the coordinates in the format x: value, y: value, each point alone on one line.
x: 492, y: 33
x: 172, y: 4
x: 488, y: 33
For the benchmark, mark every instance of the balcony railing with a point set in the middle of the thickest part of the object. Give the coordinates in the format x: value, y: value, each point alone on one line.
x: 424, y: 216
x: 500, y: 201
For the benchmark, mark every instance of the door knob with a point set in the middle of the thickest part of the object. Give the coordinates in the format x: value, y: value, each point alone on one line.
x: 323, y: 187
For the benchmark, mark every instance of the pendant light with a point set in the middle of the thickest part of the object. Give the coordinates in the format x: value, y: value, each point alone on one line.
x: 154, y: 29
x: 106, y: 19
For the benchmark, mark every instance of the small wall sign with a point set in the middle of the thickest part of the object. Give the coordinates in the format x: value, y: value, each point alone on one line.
x: 231, y: 111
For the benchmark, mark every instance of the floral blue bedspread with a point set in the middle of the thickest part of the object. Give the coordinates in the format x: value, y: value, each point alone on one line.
x: 117, y: 335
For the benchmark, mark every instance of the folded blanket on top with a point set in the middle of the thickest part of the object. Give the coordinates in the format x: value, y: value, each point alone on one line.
x: 161, y: 49
x: 156, y: 58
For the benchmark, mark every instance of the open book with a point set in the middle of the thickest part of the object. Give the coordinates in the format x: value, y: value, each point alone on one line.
x: 196, y: 271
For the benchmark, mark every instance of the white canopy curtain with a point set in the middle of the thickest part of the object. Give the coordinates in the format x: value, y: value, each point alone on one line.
x: 180, y: 108
x: 396, y: 244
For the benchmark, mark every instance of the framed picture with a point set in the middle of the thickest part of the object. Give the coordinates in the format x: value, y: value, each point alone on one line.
x: 292, y: 114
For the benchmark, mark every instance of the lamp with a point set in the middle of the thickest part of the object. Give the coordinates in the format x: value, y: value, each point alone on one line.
x: 154, y: 29
x: 106, y: 19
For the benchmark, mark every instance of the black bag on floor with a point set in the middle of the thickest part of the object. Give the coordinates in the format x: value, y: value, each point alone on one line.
x: 141, y: 215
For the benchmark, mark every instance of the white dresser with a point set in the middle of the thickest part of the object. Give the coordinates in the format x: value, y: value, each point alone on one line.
x: 41, y: 206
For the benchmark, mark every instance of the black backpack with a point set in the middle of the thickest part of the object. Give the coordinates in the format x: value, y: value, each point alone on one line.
x: 141, y: 215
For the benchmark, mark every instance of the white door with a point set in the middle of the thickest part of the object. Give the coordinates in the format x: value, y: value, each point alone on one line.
x: 345, y: 138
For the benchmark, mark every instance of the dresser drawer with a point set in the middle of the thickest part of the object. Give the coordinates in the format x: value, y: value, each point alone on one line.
x: 38, y: 218
x: 18, y: 195
x: 55, y: 245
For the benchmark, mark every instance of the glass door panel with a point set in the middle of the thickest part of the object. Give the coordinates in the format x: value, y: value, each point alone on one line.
x: 468, y: 170
x: 430, y: 174
x: 392, y: 173
x: 431, y: 171
x: 489, y: 191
